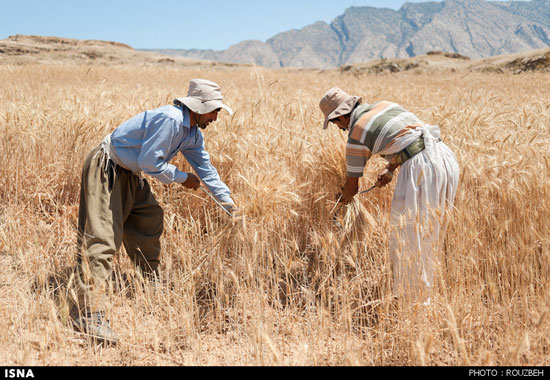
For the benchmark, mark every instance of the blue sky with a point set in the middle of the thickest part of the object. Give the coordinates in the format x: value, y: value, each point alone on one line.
x: 183, y: 24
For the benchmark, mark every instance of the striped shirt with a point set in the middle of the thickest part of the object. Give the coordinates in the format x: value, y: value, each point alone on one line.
x: 374, y: 128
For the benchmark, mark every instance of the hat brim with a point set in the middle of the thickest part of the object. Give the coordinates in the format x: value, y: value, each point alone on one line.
x: 201, y: 107
x: 343, y: 109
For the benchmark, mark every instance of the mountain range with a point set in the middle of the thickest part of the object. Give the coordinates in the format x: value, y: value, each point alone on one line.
x: 472, y: 28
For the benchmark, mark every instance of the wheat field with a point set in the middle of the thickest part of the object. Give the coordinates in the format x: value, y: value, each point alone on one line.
x: 279, y: 285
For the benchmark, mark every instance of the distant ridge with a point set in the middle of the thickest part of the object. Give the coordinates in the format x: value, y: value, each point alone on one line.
x: 25, y: 49
x: 473, y: 28
x: 21, y: 49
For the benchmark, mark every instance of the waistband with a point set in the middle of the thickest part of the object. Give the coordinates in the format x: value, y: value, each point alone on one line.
x: 109, y: 150
x: 410, y: 151
x: 110, y: 154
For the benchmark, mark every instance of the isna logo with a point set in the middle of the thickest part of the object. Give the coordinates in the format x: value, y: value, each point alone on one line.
x: 18, y: 373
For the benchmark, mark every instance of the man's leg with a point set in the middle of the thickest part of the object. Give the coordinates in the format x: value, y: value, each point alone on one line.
x: 142, y: 230
x: 411, y: 252
x: 100, y: 231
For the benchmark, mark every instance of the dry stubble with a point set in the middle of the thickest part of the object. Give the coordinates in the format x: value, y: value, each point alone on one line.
x: 279, y: 285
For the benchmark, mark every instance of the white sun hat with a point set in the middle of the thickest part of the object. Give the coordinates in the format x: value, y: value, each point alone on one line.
x: 203, y: 97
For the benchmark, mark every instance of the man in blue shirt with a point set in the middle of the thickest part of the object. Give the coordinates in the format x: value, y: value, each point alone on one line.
x: 116, y: 203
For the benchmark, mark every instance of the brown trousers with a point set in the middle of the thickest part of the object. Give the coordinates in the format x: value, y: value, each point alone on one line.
x: 116, y: 206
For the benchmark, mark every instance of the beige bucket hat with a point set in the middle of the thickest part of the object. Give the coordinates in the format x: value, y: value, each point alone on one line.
x: 203, y: 97
x: 336, y: 102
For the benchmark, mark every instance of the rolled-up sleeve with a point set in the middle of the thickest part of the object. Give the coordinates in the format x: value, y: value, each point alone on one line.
x: 153, y: 157
x: 199, y: 159
x: 357, y: 155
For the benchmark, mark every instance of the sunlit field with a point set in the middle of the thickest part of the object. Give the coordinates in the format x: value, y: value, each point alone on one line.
x: 279, y: 284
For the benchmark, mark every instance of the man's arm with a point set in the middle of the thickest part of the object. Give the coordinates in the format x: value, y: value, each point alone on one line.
x: 155, y: 150
x: 351, y: 187
x: 357, y: 155
x: 386, y: 175
x: 199, y: 159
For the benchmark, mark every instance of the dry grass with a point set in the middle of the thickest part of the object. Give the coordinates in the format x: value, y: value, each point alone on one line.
x: 279, y: 285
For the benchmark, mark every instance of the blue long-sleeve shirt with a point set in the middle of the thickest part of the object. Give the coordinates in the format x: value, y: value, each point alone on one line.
x: 148, y: 141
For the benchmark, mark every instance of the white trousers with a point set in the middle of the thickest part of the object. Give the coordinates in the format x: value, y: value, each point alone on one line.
x: 425, y: 191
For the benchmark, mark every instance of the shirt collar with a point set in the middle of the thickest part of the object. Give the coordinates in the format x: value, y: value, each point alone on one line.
x: 186, y: 118
x: 356, y: 113
x: 185, y: 112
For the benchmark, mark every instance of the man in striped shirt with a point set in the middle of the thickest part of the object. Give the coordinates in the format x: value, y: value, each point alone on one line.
x: 425, y: 189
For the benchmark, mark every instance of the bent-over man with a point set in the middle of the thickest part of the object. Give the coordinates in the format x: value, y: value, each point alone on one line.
x: 116, y: 203
x: 425, y: 188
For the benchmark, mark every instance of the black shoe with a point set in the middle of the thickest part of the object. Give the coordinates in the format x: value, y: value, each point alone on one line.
x: 96, y: 326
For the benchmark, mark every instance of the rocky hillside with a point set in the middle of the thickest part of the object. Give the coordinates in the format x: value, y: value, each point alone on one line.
x: 21, y: 49
x: 473, y: 28
x: 438, y: 62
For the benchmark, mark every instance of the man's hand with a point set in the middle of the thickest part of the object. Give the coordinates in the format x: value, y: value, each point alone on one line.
x: 192, y: 182
x: 230, y: 207
x: 385, y: 176
x: 350, y: 189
